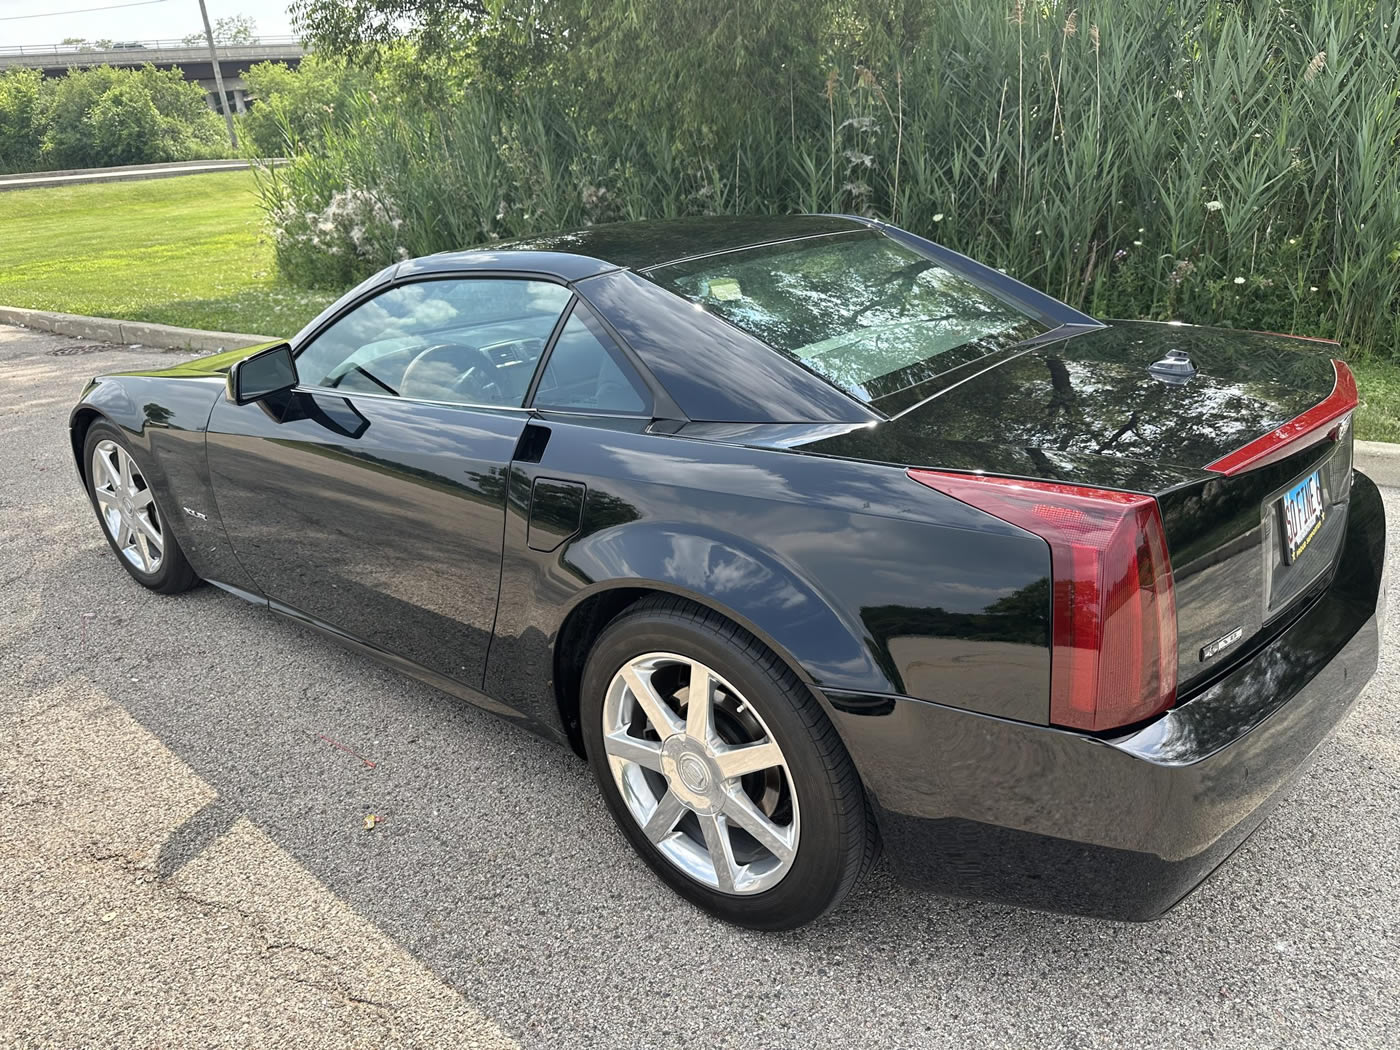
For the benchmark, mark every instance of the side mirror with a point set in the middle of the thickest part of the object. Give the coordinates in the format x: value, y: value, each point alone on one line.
x: 265, y: 373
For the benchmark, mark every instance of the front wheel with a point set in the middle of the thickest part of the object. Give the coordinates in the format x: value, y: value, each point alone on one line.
x: 721, y: 769
x: 130, y: 516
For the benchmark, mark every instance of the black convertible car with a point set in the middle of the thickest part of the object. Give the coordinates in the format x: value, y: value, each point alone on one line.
x: 813, y: 536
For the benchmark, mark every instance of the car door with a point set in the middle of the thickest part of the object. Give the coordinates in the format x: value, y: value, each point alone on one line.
x: 371, y: 498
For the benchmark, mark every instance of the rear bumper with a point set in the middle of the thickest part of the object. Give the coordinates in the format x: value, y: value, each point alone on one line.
x: 1122, y: 828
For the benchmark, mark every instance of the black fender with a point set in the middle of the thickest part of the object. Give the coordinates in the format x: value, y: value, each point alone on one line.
x: 541, y: 593
x: 740, y: 580
x: 863, y: 581
x: 163, y: 417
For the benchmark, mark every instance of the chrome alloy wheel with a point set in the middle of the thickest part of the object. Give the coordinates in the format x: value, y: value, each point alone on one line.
x: 127, y: 506
x: 700, y: 773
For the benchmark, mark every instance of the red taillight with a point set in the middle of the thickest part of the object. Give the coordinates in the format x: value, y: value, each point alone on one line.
x: 1113, y: 606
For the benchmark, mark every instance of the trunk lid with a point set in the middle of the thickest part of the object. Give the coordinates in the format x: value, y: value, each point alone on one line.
x: 1094, y: 394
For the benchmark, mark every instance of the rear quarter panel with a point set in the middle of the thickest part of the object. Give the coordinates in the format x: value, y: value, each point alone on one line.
x: 863, y: 580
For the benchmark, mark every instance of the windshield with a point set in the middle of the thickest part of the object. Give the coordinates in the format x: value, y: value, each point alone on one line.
x: 860, y: 309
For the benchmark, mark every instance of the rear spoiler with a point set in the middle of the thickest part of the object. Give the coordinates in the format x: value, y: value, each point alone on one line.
x: 1297, y: 433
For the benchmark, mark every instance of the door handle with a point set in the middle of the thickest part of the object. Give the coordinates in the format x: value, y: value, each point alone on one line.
x: 530, y: 447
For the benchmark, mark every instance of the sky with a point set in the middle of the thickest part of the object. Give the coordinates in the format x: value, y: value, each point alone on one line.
x: 24, y: 22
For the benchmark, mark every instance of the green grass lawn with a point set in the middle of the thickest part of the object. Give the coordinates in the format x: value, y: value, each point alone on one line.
x: 184, y: 251
x: 192, y: 251
x: 1378, y: 382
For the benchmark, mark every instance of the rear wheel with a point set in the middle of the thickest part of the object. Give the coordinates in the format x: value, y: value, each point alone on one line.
x: 131, y: 519
x: 721, y: 768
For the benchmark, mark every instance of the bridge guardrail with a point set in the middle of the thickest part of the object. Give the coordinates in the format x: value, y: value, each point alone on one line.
x: 90, y: 48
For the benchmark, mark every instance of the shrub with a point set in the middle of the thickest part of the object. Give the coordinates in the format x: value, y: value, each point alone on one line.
x: 19, y: 128
x: 339, y: 243
x: 121, y: 124
x: 104, y: 116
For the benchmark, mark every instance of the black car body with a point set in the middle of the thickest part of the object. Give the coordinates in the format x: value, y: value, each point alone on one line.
x: 867, y: 539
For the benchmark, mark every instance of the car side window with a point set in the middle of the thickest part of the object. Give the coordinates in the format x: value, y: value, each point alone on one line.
x: 468, y: 340
x: 586, y: 371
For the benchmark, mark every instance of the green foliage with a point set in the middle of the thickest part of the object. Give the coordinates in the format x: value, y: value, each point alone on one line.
x: 103, y: 116
x: 1205, y: 160
x: 120, y: 124
x: 19, y: 127
x: 293, y: 107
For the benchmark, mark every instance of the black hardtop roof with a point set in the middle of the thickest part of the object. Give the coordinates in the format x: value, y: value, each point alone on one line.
x: 577, y: 254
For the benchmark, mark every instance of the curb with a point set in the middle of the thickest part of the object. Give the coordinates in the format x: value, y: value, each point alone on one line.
x: 127, y: 173
x: 113, y: 330
x: 1379, y: 461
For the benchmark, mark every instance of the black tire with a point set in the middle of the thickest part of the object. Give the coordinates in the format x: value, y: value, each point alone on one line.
x: 173, y: 574
x: 837, y: 840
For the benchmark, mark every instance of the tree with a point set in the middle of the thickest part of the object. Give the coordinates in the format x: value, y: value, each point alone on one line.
x: 295, y: 106
x: 233, y: 30
x: 83, y: 44
x: 435, y: 25
x: 19, y: 128
x: 695, y: 69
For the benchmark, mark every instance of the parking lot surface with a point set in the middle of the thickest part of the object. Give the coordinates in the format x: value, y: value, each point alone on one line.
x: 185, y: 857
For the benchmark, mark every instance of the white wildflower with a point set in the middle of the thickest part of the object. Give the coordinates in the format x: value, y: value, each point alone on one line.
x: 1239, y: 280
x: 938, y: 217
x: 1213, y: 205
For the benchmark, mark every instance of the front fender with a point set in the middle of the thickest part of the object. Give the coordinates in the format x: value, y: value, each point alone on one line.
x: 110, y: 399
x: 164, y: 419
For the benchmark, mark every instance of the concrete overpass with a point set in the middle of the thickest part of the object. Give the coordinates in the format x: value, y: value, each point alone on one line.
x: 54, y: 60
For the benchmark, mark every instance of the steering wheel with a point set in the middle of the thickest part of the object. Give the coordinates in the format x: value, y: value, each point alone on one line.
x: 451, y: 371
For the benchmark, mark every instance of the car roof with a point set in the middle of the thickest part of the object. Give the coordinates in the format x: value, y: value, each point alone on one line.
x: 709, y: 369
x: 579, y: 254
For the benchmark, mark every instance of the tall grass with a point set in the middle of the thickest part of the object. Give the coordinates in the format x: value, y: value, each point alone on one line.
x: 1206, y: 160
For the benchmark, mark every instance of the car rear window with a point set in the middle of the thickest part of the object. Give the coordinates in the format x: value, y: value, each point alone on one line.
x: 862, y: 310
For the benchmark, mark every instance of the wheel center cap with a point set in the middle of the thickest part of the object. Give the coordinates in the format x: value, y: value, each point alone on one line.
x: 693, y: 773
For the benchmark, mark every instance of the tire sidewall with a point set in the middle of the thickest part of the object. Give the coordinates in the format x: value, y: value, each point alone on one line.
x: 103, y: 431
x: 817, y: 874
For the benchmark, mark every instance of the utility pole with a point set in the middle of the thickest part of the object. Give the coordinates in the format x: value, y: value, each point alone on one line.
x: 218, y: 75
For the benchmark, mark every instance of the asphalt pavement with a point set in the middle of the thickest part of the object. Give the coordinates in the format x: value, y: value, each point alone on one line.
x: 185, y: 859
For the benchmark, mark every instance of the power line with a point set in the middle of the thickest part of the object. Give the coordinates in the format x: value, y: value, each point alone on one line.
x: 80, y: 10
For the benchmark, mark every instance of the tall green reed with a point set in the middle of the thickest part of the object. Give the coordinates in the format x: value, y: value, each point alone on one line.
x: 1203, y: 160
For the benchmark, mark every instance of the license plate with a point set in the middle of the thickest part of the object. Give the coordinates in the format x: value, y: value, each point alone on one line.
x: 1303, y: 514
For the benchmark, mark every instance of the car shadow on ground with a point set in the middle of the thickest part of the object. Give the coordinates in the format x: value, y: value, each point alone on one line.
x: 493, y: 861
